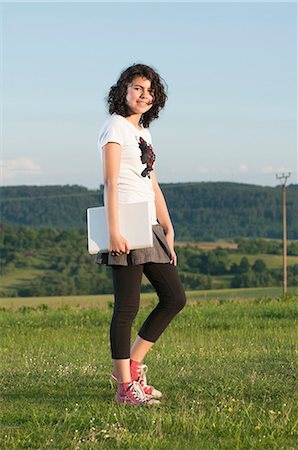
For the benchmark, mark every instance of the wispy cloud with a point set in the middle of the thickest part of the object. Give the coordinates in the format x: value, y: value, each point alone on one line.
x: 270, y: 169
x: 243, y: 168
x: 201, y: 169
x: 12, y: 168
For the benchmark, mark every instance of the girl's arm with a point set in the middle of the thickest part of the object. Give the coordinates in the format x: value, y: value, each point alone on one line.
x: 111, y: 166
x: 163, y: 216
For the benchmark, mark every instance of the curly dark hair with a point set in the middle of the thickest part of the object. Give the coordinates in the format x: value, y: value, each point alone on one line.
x: 117, y: 94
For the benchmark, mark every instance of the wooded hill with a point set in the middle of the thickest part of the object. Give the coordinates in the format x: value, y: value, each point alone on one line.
x: 205, y: 211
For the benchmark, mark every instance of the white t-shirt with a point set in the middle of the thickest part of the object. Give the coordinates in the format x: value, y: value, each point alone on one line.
x: 137, y: 159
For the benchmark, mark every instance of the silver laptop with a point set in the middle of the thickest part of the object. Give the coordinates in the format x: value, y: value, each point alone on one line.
x: 135, y: 226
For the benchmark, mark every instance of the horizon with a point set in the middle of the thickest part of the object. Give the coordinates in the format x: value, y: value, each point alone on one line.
x: 161, y: 183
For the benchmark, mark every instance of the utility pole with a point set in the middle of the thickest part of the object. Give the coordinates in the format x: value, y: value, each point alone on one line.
x: 283, y: 180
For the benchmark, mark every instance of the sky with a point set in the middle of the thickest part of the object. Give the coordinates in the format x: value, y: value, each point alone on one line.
x: 230, y: 68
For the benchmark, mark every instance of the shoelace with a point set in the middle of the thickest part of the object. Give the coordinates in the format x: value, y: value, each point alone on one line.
x: 143, y: 371
x: 137, y: 391
x: 142, y: 375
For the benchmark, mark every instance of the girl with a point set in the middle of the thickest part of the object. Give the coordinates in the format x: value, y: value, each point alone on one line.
x: 129, y: 176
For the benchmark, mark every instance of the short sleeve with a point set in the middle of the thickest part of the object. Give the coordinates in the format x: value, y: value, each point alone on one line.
x: 112, y: 131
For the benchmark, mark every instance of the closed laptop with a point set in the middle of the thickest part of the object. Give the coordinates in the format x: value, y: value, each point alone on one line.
x: 134, y: 222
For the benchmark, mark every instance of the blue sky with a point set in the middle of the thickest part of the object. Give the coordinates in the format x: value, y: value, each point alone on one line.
x: 232, y: 83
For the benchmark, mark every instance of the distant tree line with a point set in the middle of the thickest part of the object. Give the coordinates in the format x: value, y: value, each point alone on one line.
x: 62, y: 266
x: 200, y: 211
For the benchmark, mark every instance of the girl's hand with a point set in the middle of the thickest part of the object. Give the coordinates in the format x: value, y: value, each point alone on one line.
x: 118, y: 245
x: 174, y: 258
x: 170, y: 241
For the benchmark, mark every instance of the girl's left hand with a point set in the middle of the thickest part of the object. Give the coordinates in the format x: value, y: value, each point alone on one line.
x: 174, y: 258
x: 170, y: 241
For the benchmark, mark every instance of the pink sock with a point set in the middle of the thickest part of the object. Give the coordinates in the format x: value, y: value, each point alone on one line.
x: 135, y: 369
x: 122, y: 387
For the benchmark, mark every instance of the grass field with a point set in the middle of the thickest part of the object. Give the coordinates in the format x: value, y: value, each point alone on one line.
x: 226, y: 368
x: 101, y: 301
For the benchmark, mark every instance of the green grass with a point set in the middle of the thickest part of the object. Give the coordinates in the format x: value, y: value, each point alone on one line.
x: 226, y: 368
x: 271, y: 261
x: 221, y: 281
x: 101, y: 301
x: 239, y: 294
x: 17, y: 278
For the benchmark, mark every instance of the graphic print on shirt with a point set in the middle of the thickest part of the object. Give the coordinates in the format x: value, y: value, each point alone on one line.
x: 147, y: 157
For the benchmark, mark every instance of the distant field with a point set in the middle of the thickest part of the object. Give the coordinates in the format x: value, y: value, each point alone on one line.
x: 19, y: 277
x: 221, y: 281
x: 102, y: 301
x: 227, y: 370
x: 271, y: 261
x: 209, y: 245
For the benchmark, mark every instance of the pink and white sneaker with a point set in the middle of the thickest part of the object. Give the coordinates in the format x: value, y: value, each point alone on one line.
x: 133, y: 394
x: 150, y: 391
x: 138, y: 373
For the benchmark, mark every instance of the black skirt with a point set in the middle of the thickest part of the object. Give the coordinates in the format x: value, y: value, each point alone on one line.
x: 159, y: 253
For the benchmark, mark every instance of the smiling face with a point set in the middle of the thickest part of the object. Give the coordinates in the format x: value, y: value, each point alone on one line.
x: 140, y: 96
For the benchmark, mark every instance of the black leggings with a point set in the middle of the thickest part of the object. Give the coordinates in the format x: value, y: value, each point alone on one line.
x: 127, y: 283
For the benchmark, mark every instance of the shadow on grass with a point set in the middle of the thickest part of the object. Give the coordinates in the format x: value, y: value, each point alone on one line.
x: 52, y: 394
